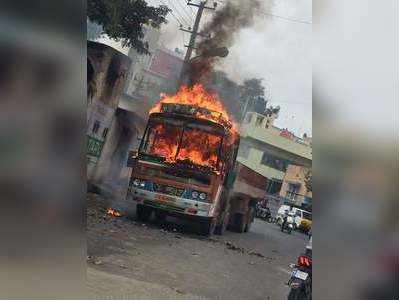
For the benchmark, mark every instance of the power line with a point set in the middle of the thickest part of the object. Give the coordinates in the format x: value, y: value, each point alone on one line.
x: 183, y: 41
x: 178, y: 21
x: 286, y: 18
x: 172, y: 14
x: 190, y: 17
x: 191, y: 9
x: 178, y: 24
x: 188, y: 23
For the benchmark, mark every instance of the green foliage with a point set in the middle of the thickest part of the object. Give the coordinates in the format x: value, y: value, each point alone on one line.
x: 227, y: 90
x: 123, y: 20
x: 271, y: 110
x: 249, y: 96
x: 253, y: 88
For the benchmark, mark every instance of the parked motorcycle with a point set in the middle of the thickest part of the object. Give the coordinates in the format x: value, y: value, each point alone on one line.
x: 288, y: 223
x: 301, y: 277
x: 263, y: 213
x: 267, y: 215
x: 269, y: 218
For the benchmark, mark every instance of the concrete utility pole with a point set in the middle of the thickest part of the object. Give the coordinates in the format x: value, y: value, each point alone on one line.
x: 194, y: 34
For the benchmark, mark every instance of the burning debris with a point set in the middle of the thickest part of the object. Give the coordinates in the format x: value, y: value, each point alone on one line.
x: 113, y: 212
x: 233, y: 247
x: 221, y: 31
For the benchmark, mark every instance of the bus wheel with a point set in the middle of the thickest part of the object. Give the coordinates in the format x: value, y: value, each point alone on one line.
x: 143, y: 213
x: 207, y: 228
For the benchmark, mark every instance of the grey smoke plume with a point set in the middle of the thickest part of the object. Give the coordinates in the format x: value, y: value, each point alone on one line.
x: 223, y: 28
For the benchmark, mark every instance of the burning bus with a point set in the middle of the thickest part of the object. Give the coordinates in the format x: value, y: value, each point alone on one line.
x: 185, y: 165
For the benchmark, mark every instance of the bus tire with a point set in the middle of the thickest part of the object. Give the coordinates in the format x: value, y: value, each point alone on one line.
x: 143, y: 213
x: 207, y: 228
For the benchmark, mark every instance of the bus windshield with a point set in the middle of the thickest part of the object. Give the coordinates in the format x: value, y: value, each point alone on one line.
x: 173, y: 141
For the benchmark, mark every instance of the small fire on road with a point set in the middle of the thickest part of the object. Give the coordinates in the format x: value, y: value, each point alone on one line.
x: 113, y: 212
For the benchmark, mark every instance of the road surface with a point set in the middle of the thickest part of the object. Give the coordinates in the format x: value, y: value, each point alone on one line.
x: 130, y: 260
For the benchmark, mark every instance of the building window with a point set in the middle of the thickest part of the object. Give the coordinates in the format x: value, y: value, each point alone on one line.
x: 273, y: 187
x: 96, y: 126
x: 259, y: 121
x: 274, y: 162
x: 105, y: 131
x: 244, y: 151
x: 293, y: 190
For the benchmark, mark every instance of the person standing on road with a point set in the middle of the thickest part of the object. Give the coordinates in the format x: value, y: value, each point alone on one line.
x: 285, y: 217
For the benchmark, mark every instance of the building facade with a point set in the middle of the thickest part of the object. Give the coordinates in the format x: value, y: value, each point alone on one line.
x: 107, y: 69
x: 154, y: 73
x: 271, y: 151
x: 141, y: 62
x: 294, y: 186
x: 147, y: 77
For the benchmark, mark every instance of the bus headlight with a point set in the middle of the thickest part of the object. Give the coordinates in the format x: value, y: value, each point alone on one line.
x: 202, y: 196
x: 139, y: 183
x: 194, y: 194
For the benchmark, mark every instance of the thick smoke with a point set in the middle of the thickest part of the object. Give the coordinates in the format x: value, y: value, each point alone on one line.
x: 222, y: 29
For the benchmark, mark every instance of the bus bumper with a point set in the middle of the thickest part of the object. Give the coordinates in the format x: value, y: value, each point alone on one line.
x: 173, y: 205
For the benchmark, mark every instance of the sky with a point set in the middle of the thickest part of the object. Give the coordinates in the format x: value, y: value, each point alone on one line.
x: 275, y: 49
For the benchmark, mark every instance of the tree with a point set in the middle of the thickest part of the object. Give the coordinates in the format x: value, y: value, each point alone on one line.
x: 271, y: 110
x: 252, y: 96
x: 123, y: 20
x: 227, y: 90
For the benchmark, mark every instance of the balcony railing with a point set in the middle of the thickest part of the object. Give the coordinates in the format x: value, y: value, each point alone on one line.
x: 295, y: 197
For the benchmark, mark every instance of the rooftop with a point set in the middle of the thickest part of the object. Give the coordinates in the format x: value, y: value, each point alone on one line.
x: 259, y: 127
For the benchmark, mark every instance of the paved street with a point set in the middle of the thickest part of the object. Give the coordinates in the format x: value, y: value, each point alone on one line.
x: 129, y: 260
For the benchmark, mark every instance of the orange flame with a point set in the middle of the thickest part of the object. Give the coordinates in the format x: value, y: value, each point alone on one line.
x: 199, y: 147
x: 113, y: 212
x: 197, y: 96
x: 196, y: 146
